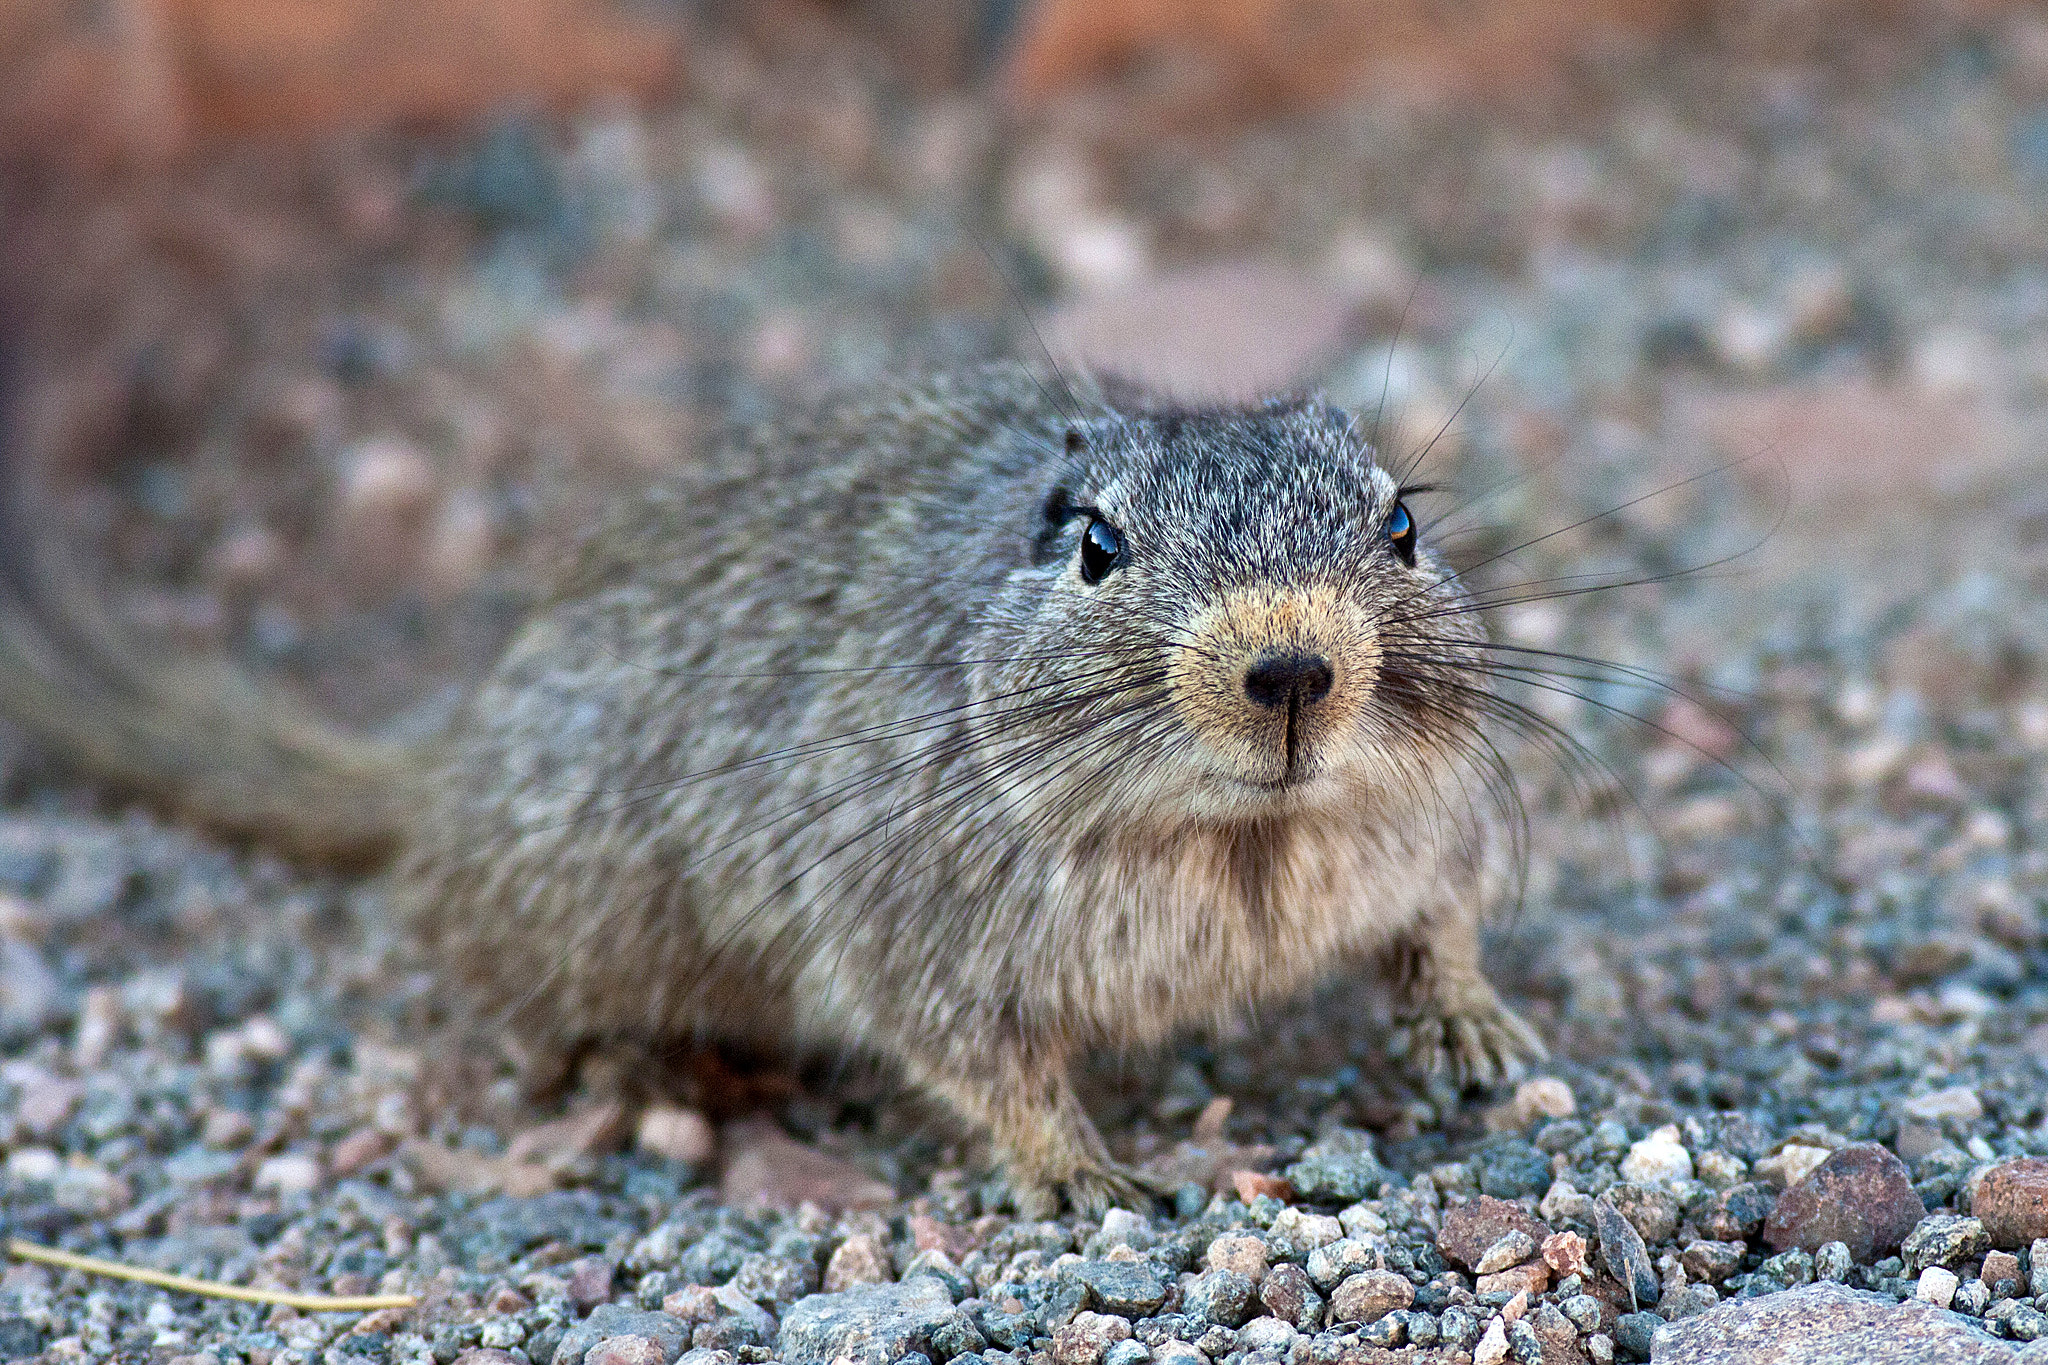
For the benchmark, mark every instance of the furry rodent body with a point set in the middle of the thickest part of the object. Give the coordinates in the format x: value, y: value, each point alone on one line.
x: 830, y: 742
x: 855, y: 735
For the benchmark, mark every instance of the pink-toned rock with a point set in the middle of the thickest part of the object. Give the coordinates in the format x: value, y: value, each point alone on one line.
x: 386, y: 478
x: 2000, y: 1266
x: 860, y: 1259
x: 626, y: 1350
x: 358, y: 1150
x: 1565, y: 1253
x: 1822, y: 1324
x: 1470, y: 1230
x: 590, y: 1282
x: 1542, y: 1097
x: 46, y: 1102
x: 1251, y: 1184
x: 452, y: 1168
x: 692, y: 1304
x: 2012, y: 1201
x: 929, y: 1234
x: 768, y: 1169
x: 1861, y: 1196
x: 1085, y: 1340
x: 1236, y: 1251
x: 1532, y: 1278
x: 1370, y: 1295
x: 227, y: 1129
x: 562, y: 1142
x: 504, y: 1300
x: 385, y: 1320
x: 250, y: 557
x: 1560, y: 1340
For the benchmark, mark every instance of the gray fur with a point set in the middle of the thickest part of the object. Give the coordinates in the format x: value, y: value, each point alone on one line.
x: 827, y: 742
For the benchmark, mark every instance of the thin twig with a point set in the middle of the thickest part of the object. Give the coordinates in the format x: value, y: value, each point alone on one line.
x: 212, y: 1289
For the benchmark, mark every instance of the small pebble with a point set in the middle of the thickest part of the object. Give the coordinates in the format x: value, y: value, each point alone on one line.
x: 1493, y: 1345
x: 1512, y: 1248
x: 1937, y: 1286
x: 1658, y: 1159
x: 1542, y: 1097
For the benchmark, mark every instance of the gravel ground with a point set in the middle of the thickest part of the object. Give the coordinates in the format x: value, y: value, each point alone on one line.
x: 1760, y: 338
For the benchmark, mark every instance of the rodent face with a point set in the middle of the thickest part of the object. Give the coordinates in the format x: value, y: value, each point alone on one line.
x: 1234, y: 605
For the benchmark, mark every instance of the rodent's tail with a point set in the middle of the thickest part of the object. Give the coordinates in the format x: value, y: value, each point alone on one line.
x: 195, y: 735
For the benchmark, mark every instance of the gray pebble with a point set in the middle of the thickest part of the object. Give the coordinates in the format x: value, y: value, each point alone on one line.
x: 1634, y: 1331
x: 1457, y: 1328
x: 1223, y: 1297
x: 1623, y: 1253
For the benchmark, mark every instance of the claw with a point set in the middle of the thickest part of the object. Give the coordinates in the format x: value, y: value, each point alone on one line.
x: 1096, y: 1190
x: 1480, y: 1046
x: 1092, y: 1190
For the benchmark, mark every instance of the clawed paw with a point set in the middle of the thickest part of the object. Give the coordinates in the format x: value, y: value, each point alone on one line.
x: 1092, y: 1190
x: 1480, y: 1043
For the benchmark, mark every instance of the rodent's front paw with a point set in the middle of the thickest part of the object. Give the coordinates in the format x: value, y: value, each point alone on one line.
x: 1092, y: 1190
x: 1481, y: 1041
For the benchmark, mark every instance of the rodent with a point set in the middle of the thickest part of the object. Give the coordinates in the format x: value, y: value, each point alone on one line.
x: 960, y: 721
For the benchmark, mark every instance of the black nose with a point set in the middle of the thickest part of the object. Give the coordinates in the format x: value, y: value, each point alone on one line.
x: 1289, y: 677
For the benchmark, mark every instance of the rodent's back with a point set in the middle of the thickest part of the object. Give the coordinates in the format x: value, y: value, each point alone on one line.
x: 738, y: 674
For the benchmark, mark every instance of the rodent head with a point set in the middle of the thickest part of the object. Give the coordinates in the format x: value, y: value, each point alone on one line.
x: 1229, y: 615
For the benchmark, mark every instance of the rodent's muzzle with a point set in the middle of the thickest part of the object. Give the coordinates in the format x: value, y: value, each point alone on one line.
x: 1272, y: 679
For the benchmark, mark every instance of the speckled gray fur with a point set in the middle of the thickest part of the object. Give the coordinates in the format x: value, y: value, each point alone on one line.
x: 828, y: 741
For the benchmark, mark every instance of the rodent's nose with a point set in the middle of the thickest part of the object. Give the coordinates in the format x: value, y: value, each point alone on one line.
x: 1288, y: 677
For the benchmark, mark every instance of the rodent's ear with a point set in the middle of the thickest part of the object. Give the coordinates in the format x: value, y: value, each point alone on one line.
x: 1058, y: 511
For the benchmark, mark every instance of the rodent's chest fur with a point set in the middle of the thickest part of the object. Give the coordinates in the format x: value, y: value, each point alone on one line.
x: 1189, y: 926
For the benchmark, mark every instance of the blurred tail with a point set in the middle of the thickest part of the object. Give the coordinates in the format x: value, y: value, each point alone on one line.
x: 194, y: 735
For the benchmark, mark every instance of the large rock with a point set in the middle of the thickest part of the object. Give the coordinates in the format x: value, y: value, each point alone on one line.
x: 1827, y: 1324
x: 874, y: 1324
x: 2012, y: 1200
x: 1861, y: 1196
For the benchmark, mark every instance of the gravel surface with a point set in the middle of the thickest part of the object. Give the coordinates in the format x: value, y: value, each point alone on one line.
x: 1761, y: 339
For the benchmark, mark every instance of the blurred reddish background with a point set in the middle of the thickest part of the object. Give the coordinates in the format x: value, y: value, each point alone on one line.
x: 333, y: 315
x: 141, y: 79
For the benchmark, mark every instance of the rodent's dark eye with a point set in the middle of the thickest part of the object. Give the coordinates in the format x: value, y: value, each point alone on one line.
x: 1401, y: 532
x: 1102, y: 549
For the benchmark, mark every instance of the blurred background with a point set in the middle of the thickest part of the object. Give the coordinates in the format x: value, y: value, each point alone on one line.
x: 331, y: 316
